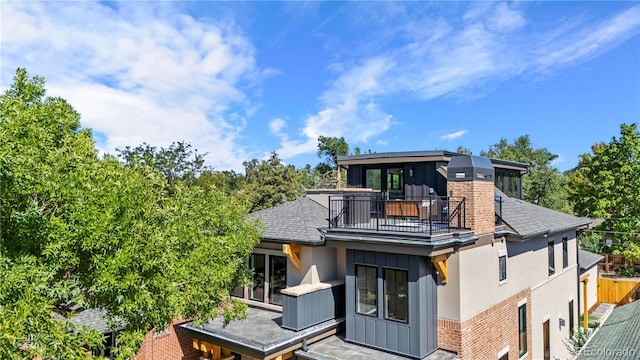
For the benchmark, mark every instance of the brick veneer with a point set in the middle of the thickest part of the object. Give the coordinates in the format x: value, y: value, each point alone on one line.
x: 479, y: 204
x: 174, y: 344
x: 484, y: 335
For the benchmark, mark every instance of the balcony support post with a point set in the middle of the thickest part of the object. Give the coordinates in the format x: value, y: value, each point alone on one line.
x: 293, y: 253
x: 440, y: 263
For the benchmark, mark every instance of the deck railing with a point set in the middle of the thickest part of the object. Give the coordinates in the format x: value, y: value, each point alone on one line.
x: 429, y: 215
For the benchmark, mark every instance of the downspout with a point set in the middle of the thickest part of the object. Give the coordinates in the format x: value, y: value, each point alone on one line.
x: 578, y: 275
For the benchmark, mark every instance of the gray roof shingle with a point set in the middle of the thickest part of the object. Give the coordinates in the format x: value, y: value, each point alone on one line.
x: 529, y: 220
x: 587, y: 260
x: 297, y: 221
x: 617, y: 337
x: 93, y: 318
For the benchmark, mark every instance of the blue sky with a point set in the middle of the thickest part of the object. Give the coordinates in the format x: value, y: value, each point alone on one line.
x: 239, y: 80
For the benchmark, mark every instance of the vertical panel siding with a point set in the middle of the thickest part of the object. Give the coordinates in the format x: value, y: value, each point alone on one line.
x: 418, y: 337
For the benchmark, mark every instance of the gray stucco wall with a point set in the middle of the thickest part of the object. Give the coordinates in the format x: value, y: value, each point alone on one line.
x: 416, y: 338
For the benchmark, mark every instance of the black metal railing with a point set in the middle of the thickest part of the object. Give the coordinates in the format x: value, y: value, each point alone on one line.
x: 429, y: 215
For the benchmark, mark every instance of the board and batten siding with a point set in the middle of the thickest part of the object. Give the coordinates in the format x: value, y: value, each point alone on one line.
x: 419, y: 336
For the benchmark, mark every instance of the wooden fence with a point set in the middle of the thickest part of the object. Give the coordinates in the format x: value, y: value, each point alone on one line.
x: 616, y: 291
x: 612, y: 263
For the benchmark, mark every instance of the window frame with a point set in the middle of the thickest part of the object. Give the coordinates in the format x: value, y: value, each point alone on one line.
x: 571, y: 318
x: 551, y: 257
x: 522, y: 330
x: 253, y: 276
x: 272, y: 295
x: 373, y: 312
x: 385, y: 273
x: 502, y: 268
x: 565, y: 252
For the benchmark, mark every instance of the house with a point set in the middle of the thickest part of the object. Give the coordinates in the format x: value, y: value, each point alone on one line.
x: 617, y: 337
x: 589, y: 273
x: 426, y: 255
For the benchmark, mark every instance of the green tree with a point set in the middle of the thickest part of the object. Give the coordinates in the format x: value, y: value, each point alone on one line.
x: 463, y: 150
x: 82, y: 231
x: 330, y: 148
x: 178, y: 162
x: 270, y: 182
x: 606, y: 181
x: 543, y: 184
x: 227, y: 181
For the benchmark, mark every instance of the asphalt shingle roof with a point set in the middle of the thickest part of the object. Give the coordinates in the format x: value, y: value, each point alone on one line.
x: 295, y: 221
x: 528, y: 219
x: 618, y: 337
x: 587, y: 259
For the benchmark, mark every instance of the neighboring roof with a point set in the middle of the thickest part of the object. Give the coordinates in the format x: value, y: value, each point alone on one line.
x: 298, y: 221
x: 530, y: 220
x: 407, y: 155
x: 93, y: 318
x: 587, y: 259
x: 617, y: 337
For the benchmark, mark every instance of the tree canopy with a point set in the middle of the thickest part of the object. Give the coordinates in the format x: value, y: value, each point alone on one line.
x: 606, y: 183
x: 543, y: 184
x: 270, y: 182
x: 330, y: 148
x: 80, y: 231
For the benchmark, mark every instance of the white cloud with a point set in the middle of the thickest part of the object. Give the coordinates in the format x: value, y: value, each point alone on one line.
x: 451, y: 57
x: 453, y: 135
x: 276, y: 125
x: 505, y: 18
x: 138, y: 72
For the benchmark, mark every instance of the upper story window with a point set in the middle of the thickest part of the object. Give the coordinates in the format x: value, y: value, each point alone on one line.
x: 502, y: 268
x: 509, y: 182
x: 522, y: 330
x: 367, y: 290
x: 552, y: 262
x: 565, y: 252
x: 396, y: 301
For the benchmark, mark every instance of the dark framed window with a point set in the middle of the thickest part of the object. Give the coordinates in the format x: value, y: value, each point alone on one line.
x: 238, y: 292
x: 257, y: 263
x: 373, y: 179
x: 109, y: 341
x: 396, y: 301
x: 502, y: 267
x: 522, y: 330
x: 367, y: 290
x: 571, y: 319
x: 565, y: 252
x: 552, y: 261
x: 277, y: 278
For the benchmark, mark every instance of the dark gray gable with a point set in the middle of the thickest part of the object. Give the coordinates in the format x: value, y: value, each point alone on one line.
x: 298, y: 221
x: 528, y: 219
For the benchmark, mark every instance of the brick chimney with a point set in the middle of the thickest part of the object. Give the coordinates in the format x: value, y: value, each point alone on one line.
x: 472, y: 178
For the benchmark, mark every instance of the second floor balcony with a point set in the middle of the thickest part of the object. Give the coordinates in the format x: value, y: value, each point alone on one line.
x: 370, y: 212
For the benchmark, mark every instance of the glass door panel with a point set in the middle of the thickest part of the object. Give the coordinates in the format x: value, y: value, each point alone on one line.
x: 395, y: 183
x: 256, y: 291
x: 277, y: 278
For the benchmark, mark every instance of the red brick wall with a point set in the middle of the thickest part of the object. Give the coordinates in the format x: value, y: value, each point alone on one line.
x: 485, y: 334
x: 174, y: 344
x: 479, y: 204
